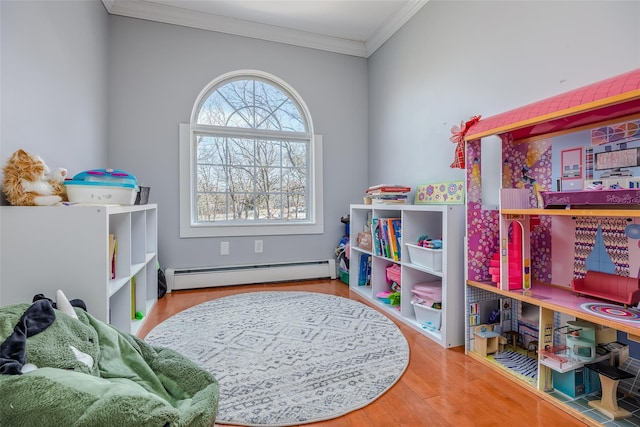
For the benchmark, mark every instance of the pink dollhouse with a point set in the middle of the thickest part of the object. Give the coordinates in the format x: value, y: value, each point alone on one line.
x: 569, y: 204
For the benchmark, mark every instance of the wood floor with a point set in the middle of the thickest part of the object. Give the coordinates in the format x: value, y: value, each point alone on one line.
x: 441, y: 387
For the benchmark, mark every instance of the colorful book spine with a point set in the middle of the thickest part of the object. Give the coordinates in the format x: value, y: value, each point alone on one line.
x: 375, y: 236
x: 365, y: 270
x: 397, y: 230
x: 393, y: 243
x: 384, y: 237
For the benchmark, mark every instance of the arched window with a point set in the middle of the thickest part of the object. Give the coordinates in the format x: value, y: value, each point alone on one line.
x: 250, y: 163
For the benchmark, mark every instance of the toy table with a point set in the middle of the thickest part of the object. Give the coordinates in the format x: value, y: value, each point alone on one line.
x: 486, y: 342
x: 610, y: 376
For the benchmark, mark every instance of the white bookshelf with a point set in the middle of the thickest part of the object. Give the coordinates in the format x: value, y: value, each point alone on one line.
x: 437, y: 221
x: 44, y: 249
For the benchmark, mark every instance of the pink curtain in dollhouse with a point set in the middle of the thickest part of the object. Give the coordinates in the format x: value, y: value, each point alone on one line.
x: 615, y: 242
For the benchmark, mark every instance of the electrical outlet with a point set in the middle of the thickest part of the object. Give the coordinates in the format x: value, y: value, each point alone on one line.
x: 224, y: 248
x: 258, y: 246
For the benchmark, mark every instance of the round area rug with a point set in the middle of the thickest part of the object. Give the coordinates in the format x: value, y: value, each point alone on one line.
x: 611, y: 311
x: 288, y: 358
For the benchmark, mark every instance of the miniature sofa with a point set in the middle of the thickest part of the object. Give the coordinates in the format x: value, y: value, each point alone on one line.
x: 621, y: 289
x: 87, y: 373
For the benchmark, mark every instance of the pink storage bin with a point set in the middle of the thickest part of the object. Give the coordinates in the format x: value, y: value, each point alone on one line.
x: 393, y: 274
x: 428, y: 291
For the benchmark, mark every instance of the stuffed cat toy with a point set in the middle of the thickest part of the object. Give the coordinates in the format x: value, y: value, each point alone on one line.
x: 28, y: 181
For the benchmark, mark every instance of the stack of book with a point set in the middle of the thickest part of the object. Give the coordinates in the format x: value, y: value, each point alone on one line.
x: 387, y: 235
x: 388, y: 194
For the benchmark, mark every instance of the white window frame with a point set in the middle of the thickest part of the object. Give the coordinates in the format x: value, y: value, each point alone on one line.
x: 187, y: 160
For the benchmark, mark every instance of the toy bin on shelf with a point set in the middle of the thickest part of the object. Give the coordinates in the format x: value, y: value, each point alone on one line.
x: 429, y: 292
x: 427, y: 316
x: 425, y: 257
x: 103, y: 187
x: 393, y: 274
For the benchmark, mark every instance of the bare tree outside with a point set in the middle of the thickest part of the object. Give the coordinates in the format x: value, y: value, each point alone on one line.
x: 259, y: 172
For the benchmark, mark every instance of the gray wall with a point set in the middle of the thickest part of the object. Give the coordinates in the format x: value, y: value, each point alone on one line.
x: 155, y: 74
x: 456, y: 59
x: 53, y: 89
x: 452, y: 60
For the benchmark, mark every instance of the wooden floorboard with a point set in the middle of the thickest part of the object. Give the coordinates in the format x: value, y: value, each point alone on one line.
x: 441, y: 387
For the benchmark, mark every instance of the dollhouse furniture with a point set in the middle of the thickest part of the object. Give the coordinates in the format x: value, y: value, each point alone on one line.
x: 529, y: 138
x: 528, y: 321
x: 562, y: 199
x: 610, y: 376
x: 513, y: 337
x: 487, y: 341
x: 625, y: 290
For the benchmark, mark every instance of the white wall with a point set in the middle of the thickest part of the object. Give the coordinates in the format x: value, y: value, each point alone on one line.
x: 156, y: 72
x: 456, y: 59
x: 53, y: 92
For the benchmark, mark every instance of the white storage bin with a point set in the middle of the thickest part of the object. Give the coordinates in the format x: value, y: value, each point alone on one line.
x: 103, y: 187
x: 428, y: 317
x: 428, y: 291
x: 425, y: 257
x: 101, y: 194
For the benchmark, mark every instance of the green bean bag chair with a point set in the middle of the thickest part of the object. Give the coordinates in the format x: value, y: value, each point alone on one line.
x: 87, y: 373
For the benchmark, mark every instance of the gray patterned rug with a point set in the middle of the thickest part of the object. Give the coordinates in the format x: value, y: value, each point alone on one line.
x: 288, y: 358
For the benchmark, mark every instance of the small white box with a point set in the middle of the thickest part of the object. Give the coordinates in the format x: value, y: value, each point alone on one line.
x: 428, y: 317
x: 425, y: 257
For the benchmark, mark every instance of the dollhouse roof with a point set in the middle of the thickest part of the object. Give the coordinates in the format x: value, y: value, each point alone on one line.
x: 608, y: 99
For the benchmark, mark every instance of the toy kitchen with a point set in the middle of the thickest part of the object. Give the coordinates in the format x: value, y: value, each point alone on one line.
x: 586, y: 343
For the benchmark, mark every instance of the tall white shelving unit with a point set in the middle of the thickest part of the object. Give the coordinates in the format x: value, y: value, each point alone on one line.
x: 437, y: 221
x: 44, y: 249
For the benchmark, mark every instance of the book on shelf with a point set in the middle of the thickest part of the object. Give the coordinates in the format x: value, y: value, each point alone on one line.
x: 133, y: 298
x: 389, y: 196
x: 113, y: 248
x: 388, y: 188
x: 397, y: 235
x: 388, y: 201
x: 386, y: 193
x: 375, y: 235
x: 394, y: 234
x: 364, y: 276
x: 386, y: 235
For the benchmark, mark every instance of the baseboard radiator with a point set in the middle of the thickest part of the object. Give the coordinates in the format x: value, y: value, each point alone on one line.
x: 209, y: 277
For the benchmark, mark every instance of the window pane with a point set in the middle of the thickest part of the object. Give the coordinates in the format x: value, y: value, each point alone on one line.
x: 211, y: 207
x: 211, y: 150
x: 241, y: 151
x: 265, y: 179
x: 295, y: 154
x: 252, y: 104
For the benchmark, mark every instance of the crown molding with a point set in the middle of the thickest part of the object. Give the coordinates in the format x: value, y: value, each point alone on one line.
x: 207, y: 21
x: 108, y: 4
x: 389, y: 29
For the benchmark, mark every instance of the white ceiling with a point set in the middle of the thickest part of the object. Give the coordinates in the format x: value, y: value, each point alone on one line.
x: 352, y: 27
